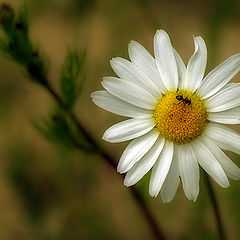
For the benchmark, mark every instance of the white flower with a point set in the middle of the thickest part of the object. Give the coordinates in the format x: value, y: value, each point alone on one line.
x: 176, y: 116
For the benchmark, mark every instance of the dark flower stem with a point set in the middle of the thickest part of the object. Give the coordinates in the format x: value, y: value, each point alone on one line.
x: 215, y: 206
x: 156, y: 231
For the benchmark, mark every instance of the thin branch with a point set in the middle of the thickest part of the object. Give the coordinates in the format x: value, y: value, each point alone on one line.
x: 19, y: 47
x: 157, y: 232
x: 215, y: 205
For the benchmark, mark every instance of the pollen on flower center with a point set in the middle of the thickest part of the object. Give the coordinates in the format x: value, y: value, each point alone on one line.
x: 180, y: 116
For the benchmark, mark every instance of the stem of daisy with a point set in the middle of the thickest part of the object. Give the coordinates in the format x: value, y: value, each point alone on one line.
x: 215, y: 205
x: 156, y: 231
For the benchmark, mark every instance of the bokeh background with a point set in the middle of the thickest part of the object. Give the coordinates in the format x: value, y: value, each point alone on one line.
x: 49, y: 192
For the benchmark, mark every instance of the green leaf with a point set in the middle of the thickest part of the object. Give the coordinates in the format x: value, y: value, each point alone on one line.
x: 6, y: 16
x: 72, y: 79
x: 57, y: 129
x: 16, y: 44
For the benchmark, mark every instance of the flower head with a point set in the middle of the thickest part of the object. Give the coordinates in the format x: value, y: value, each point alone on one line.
x: 176, y: 116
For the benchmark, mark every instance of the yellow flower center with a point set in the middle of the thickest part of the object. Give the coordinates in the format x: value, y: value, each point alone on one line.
x: 180, y: 116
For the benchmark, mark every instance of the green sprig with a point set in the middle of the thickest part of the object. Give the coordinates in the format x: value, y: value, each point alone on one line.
x: 16, y: 45
x: 58, y: 129
x: 71, y: 81
x: 61, y: 126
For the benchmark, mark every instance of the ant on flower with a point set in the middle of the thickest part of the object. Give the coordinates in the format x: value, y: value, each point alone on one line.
x: 184, y: 100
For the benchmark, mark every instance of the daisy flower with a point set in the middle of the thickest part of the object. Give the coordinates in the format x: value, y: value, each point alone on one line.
x: 176, y: 116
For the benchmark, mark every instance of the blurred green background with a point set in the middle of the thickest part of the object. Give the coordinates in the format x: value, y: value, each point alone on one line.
x: 49, y: 192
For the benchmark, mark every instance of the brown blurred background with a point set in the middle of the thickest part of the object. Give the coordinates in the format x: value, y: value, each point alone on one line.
x: 52, y: 193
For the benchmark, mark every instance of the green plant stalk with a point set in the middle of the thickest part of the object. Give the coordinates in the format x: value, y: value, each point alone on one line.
x: 222, y: 13
x: 157, y: 232
x: 19, y: 48
x: 215, y: 206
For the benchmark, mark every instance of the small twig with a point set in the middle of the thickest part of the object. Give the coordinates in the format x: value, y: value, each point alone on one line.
x: 215, y: 205
x: 157, y: 232
x: 18, y: 46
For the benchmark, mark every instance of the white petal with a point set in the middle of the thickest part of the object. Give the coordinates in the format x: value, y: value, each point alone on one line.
x: 219, y: 76
x: 181, y: 68
x: 136, y: 149
x: 224, y: 137
x: 129, y: 92
x: 146, y: 63
x: 209, y: 163
x: 196, y: 65
x: 232, y: 170
x: 228, y: 97
x: 161, y: 169
x: 231, y: 116
x: 189, y: 171
x: 129, y: 72
x: 127, y: 130
x: 171, y: 183
x: 115, y: 105
x: 145, y: 164
x: 165, y: 60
